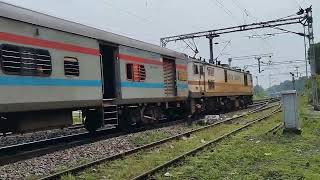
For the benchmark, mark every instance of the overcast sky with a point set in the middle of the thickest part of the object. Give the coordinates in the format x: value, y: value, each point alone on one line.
x: 149, y: 20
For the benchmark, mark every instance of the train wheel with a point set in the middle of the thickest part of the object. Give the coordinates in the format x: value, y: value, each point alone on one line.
x: 93, y: 120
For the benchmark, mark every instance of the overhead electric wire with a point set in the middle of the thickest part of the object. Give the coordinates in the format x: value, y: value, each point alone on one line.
x: 240, y: 58
x: 256, y: 19
x: 274, y: 64
x: 298, y: 3
x: 229, y: 42
x: 226, y: 10
x: 143, y: 19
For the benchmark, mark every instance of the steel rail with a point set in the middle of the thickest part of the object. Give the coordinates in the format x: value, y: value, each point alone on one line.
x: 167, y: 164
x: 276, y: 128
x: 18, y: 152
x: 147, y: 146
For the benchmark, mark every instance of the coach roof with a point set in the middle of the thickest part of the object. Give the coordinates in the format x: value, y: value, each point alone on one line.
x: 25, y: 15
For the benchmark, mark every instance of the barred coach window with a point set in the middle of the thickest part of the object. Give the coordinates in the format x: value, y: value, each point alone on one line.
x: 71, y: 66
x: 24, y: 61
x: 136, y: 72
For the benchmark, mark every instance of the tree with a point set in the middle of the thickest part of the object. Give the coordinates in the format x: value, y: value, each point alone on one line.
x: 300, y: 85
x: 259, y: 92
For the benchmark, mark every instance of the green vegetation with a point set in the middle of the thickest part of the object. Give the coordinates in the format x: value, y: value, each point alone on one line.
x: 133, y: 165
x: 253, y: 154
x: 149, y: 137
x: 259, y: 93
x: 300, y: 85
x: 76, y: 117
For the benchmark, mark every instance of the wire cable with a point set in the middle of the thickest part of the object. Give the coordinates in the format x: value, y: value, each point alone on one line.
x: 145, y: 20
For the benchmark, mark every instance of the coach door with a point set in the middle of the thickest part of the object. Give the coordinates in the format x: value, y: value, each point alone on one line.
x: 108, y: 58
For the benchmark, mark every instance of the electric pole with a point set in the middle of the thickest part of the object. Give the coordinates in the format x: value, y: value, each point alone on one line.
x: 293, y: 80
x: 257, y: 80
x: 210, y: 37
x: 312, y: 59
x: 305, y: 51
x: 259, y: 63
x: 230, y: 61
x: 297, y: 71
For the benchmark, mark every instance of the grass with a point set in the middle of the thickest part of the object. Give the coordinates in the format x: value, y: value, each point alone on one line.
x: 254, y: 155
x: 149, y: 137
x: 154, y: 135
x: 76, y: 118
x: 133, y: 165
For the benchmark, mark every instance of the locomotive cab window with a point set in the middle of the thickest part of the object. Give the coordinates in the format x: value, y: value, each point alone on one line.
x: 225, y: 76
x: 201, y: 70
x: 245, y: 79
x: 195, y: 69
x: 24, y: 61
x: 71, y: 66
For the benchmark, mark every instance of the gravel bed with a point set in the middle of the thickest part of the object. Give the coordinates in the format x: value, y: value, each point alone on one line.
x: 42, y: 135
x: 60, y: 160
x: 37, y: 136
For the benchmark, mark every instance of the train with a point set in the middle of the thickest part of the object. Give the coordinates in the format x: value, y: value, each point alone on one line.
x: 51, y: 67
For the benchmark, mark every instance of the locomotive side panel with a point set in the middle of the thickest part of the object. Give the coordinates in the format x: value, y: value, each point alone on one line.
x: 58, y: 89
x: 182, y: 78
x: 226, y: 82
x: 250, y: 84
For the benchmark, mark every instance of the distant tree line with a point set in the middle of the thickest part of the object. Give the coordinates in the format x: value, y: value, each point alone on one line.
x: 299, y: 85
x: 302, y: 84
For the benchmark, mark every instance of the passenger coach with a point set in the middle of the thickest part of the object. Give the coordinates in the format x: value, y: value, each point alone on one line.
x: 51, y: 67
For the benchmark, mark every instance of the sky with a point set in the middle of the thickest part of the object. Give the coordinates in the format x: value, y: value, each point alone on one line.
x: 149, y: 20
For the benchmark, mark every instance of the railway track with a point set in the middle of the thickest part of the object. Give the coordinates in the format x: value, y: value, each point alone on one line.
x: 169, y: 163
x: 151, y: 145
x: 264, y: 101
x: 81, y: 126
x: 19, y: 152
x: 276, y: 128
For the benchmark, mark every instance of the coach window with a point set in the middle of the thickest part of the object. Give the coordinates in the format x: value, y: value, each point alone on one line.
x: 136, y: 72
x: 24, y: 61
x: 129, y: 68
x: 142, y: 73
x: 195, y: 69
x: 225, y: 76
x: 71, y: 66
